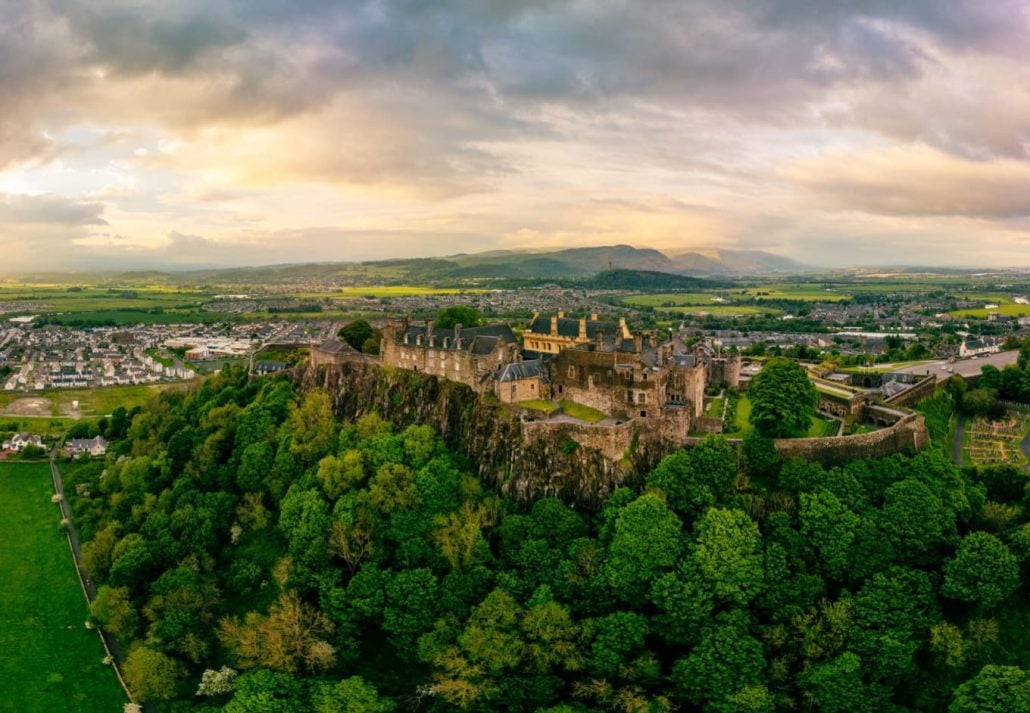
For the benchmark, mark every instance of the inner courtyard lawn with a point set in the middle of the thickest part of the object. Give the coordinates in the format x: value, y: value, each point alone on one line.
x: 50, y: 661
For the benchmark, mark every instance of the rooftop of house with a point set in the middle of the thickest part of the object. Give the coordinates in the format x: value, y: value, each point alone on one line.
x: 335, y: 346
x: 476, y: 340
x: 569, y: 327
x: 530, y: 369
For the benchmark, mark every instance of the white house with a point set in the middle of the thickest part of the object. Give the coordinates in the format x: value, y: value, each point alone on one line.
x: 94, y: 446
x: 975, y: 347
x: 20, y: 440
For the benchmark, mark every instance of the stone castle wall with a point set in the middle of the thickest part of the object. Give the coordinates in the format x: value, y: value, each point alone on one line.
x: 908, y: 434
x: 530, y: 459
x: 920, y: 392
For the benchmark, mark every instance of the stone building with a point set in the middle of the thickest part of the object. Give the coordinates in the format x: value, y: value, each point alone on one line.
x: 332, y: 352
x: 552, y: 335
x: 631, y: 378
x: 522, y: 381
x: 474, y: 356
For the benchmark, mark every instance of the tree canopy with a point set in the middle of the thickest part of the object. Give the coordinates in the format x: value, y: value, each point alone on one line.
x: 255, y: 554
x: 783, y: 399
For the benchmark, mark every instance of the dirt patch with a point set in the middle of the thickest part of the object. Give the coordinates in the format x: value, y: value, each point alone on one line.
x: 32, y: 406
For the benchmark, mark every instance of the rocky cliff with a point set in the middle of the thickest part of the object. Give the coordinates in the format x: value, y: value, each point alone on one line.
x: 560, y: 459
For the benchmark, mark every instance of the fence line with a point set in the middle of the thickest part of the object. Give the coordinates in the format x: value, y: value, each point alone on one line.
x: 113, y: 653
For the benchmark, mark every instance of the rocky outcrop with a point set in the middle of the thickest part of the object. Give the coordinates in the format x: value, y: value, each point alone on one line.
x: 556, y: 459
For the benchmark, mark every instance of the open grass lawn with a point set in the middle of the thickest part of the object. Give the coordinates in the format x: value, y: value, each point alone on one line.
x: 537, y: 405
x: 50, y: 661
x: 713, y: 408
x: 584, y: 413
x: 820, y: 425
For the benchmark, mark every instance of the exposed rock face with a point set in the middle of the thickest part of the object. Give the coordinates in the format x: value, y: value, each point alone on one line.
x: 560, y: 459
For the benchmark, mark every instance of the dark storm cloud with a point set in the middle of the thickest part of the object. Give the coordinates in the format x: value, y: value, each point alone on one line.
x: 263, y: 60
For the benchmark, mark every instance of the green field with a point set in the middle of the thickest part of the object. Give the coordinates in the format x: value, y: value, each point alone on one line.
x: 1009, y: 309
x: 51, y: 662
x: 92, y: 402
x: 584, y: 413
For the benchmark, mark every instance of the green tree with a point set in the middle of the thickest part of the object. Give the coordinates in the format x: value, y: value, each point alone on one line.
x: 647, y: 541
x: 729, y: 555
x: 264, y: 691
x: 115, y: 612
x: 914, y: 519
x: 356, y: 333
x: 996, y: 689
x: 829, y: 527
x: 458, y: 314
x: 983, y: 572
x: 837, y: 686
x: 726, y: 660
x: 312, y: 426
x: 351, y: 695
x: 783, y: 399
x: 150, y: 674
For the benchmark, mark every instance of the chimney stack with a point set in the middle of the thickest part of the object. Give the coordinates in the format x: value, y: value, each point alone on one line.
x: 638, y: 343
x: 561, y: 314
x: 554, y: 326
x: 593, y: 316
x: 583, y: 328
x: 623, y: 328
x: 599, y: 339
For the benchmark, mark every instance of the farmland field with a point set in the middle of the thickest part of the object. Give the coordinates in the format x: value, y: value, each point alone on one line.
x: 51, y: 662
x: 1009, y: 309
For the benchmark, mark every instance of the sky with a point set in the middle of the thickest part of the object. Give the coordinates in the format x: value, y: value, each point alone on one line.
x: 143, y: 134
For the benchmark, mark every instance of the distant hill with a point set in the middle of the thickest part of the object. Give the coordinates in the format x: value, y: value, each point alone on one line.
x: 647, y: 281
x: 733, y: 262
x: 572, y: 262
x: 628, y: 264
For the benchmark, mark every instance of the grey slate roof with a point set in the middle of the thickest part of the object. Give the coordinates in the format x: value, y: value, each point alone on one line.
x: 532, y: 369
x: 477, y: 340
x: 570, y: 327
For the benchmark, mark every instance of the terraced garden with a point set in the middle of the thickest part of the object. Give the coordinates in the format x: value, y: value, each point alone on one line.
x: 990, y: 442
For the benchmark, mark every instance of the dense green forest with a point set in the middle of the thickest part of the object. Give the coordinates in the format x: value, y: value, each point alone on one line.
x: 256, y: 555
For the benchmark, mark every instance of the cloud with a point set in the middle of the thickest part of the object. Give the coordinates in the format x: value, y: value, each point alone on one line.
x: 210, y: 129
x: 918, y: 181
x: 48, y: 210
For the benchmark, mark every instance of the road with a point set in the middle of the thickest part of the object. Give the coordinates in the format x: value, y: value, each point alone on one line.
x: 963, y: 367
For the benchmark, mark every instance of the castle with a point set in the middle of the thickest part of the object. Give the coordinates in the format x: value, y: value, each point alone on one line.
x: 592, y: 362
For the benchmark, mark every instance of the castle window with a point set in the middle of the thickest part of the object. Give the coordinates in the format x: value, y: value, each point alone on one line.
x: 641, y: 398
x: 643, y: 414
